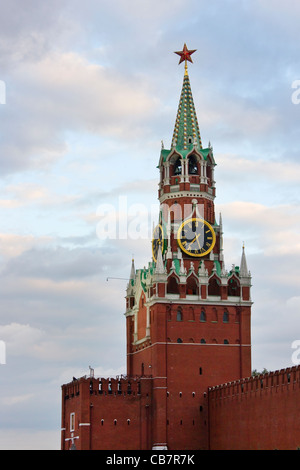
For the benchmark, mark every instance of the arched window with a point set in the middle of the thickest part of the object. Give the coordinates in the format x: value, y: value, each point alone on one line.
x: 179, y: 340
x: 214, y: 286
x: 177, y: 167
x: 192, y: 286
x: 233, y: 287
x: 202, y: 341
x: 226, y: 341
x: 179, y: 315
x: 172, y: 287
x: 202, y: 315
x: 193, y: 169
x: 225, y: 317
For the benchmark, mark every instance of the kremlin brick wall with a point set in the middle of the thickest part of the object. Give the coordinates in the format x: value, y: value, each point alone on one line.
x: 256, y: 413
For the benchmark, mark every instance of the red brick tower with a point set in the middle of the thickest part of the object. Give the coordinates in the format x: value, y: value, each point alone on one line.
x: 188, y: 318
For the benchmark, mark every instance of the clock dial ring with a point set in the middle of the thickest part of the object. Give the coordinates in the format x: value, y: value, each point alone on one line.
x: 196, y: 237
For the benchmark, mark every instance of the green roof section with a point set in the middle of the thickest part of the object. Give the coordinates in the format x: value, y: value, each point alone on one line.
x: 218, y: 267
x: 186, y: 133
x: 204, y: 152
x: 177, y: 265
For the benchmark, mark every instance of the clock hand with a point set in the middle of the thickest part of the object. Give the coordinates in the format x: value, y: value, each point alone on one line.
x: 192, y: 242
x: 196, y: 238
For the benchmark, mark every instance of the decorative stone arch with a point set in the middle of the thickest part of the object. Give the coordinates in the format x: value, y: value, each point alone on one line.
x: 193, y: 162
x: 175, y: 162
x: 198, y: 156
x: 192, y: 285
x: 173, y: 284
x: 233, y: 286
x: 214, y: 285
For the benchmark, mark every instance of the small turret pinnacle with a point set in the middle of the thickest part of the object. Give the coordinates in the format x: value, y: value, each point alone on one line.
x: 243, y: 268
x: 132, y: 272
x: 160, y: 269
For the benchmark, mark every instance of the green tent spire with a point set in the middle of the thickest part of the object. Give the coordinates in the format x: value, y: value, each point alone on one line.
x: 186, y: 132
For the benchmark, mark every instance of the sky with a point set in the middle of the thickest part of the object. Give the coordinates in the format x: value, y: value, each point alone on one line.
x: 88, y: 91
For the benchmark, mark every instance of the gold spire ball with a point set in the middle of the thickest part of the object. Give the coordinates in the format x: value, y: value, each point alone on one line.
x: 185, y: 55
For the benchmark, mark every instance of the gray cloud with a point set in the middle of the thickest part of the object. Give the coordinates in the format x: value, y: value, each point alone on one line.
x: 90, y: 94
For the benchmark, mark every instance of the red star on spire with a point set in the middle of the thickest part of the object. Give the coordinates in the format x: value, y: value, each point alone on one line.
x: 185, y: 54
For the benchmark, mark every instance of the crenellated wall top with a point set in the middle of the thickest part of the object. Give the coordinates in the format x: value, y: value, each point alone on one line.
x: 282, y: 377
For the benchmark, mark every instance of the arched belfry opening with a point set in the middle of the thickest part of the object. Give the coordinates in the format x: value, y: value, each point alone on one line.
x: 177, y: 169
x: 193, y: 166
x: 172, y: 285
x: 192, y: 286
x: 233, y: 287
x: 214, y: 286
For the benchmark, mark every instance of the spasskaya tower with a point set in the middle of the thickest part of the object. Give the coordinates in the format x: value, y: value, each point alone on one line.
x: 188, y: 317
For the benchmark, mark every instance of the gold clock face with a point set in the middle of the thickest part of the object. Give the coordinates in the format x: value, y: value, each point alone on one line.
x: 158, y: 240
x: 196, y: 237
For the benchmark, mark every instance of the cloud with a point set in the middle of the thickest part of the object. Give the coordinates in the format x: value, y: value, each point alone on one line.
x: 261, y: 169
x: 27, y: 34
x: 19, y: 338
x: 62, y: 93
x: 13, y: 400
x: 13, y: 245
x: 56, y: 263
x: 267, y: 229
